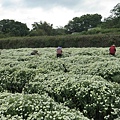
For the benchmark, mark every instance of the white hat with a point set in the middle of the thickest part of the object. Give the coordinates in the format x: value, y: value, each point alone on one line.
x: 59, y: 48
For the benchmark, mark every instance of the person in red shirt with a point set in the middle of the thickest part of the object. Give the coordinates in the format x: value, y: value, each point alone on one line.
x: 112, y: 50
x: 59, y: 51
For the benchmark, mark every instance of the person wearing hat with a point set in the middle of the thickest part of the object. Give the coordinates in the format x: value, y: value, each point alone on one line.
x: 112, y: 50
x: 59, y: 51
x: 34, y: 52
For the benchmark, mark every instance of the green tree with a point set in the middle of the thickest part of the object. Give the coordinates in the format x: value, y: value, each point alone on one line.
x: 59, y: 31
x: 83, y: 23
x: 116, y: 11
x: 13, y: 28
x: 37, y: 32
x: 42, y: 28
x: 113, y: 21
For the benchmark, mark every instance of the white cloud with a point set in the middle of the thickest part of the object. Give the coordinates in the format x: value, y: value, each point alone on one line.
x: 56, y: 13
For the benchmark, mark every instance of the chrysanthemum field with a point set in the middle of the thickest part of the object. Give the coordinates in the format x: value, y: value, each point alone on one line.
x: 37, y: 87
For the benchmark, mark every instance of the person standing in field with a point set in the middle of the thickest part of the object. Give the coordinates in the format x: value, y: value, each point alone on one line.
x: 34, y: 52
x: 59, y: 52
x: 112, y: 50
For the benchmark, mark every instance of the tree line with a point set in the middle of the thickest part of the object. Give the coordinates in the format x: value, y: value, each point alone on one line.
x: 10, y: 28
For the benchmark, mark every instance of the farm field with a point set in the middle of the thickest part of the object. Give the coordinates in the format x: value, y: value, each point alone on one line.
x: 36, y: 87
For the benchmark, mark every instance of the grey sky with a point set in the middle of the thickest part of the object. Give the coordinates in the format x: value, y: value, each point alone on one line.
x: 45, y: 4
x: 56, y: 12
x: 52, y: 3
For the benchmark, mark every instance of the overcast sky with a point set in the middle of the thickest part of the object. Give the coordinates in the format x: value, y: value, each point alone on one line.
x: 56, y: 12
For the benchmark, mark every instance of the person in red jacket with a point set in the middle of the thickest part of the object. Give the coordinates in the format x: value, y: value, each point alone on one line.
x: 112, y: 49
x: 59, y: 51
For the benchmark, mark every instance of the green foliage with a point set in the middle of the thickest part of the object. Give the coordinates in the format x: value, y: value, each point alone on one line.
x: 43, y: 28
x: 101, y: 40
x: 14, y: 79
x: 107, y: 70
x: 13, y: 28
x: 116, y: 78
x: 113, y: 21
x: 92, y: 95
x: 35, y: 106
x: 59, y: 31
x: 99, y: 30
x: 116, y: 11
x: 91, y: 85
x: 83, y: 23
x: 38, y: 32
